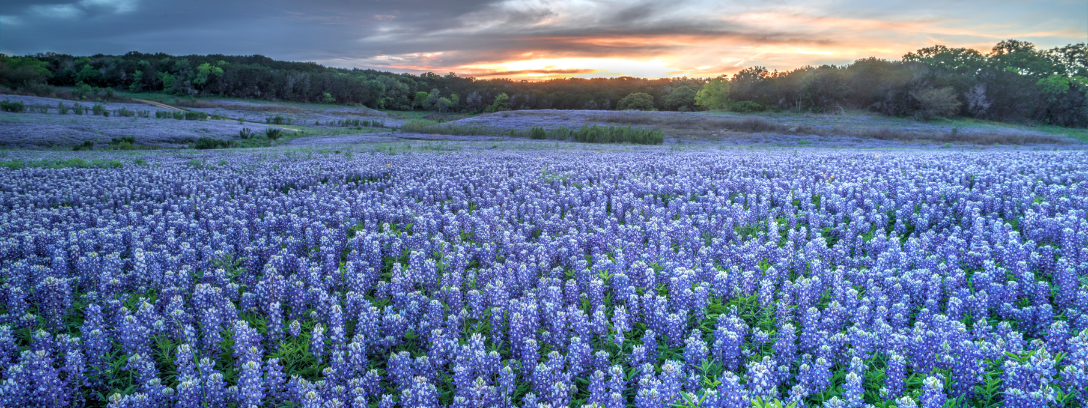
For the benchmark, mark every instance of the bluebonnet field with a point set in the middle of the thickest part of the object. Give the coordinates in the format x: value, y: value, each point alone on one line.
x: 494, y: 278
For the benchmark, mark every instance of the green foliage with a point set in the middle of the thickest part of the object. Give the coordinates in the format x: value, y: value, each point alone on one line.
x: 746, y: 107
x: 636, y: 101
x: 273, y: 133
x: 278, y: 119
x: 211, y: 143
x: 123, y: 143
x: 936, y: 102
x: 375, y: 123
x: 98, y: 109
x: 245, y: 134
x: 1014, y: 81
x: 17, y: 107
x: 206, y: 72
x: 501, y: 103
x: 714, y: 95
x: 86, y: 145
x: 61, y: 164
x: 682, y: 98
x: 195, y: 115
x: 19, y: 72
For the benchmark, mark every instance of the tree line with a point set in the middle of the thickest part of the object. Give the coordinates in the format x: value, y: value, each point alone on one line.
x: 1015, y: 81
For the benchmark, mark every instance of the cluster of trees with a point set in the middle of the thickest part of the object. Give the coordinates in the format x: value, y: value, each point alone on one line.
x: 1014, y: 81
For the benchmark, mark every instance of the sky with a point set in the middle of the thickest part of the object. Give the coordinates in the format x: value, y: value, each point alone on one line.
x: 533, y: 39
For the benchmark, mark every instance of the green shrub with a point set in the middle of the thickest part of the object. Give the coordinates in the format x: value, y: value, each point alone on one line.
x: 585, y: 134
x: 62, y: 164
x: 143, y: 113
x: 62, y: 108
x: 210, y: 143
x: 278, y: 120
x: 16, y: 107
x: 40, y: 108
x: 125, y: 113
x: 98, y: 109
x: 79, y: 109
x: 537, y: 132
x: 179, y: 115
x: 123, y: 143
x: 636, y: 101
x: 245, y: 134
x: 273, y: 133
x: 194, y: 115
x: 747, y: 106
x: 87, y: 145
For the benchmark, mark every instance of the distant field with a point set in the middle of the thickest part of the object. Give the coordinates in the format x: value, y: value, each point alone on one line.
x: 333, y: 124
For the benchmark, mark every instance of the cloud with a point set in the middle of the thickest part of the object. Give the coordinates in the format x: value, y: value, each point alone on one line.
x: 542, y: 72
x: 519, y: 37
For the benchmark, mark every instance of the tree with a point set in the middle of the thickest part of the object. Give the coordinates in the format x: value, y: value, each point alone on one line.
x: 502, y: 102
x: 682, y: 97
x: 474, y: 102
x: 636, y: 101
x: 15, y: 71
x: 420, y: 99
x: 933, y: 102
x: 714, y: 95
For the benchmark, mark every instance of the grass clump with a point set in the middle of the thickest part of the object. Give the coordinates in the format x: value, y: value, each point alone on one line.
x: 273, y: 133
x: 86, y: 145
x: 123, y: 143
x: 206, y: 143
x: 61, y: 164
x: 278, y: 120
x: 16, y: 107
x: 356, y: 123
x: 602, y: 134
x: 584, y: 134
x: 428, y: 127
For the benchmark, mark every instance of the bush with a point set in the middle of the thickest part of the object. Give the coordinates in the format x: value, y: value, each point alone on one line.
x: 98, y: 109
x: 747, y: 106
x: 123, y: 143
x: 87, y: 145
x: 501, y: 103
x: 636, y: 101
x: 125, y: 113
x: 245, y: 134
x: 194, y: 115
x: 16, y: 107
x: 273, y: 133
x: 62, y: 108
x: 277, y: 120
x: 210, y: 143
x: 941, y: 102
x: 537, y: 132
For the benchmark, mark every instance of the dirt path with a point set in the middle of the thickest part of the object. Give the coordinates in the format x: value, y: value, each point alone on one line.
x: 156, y: 104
